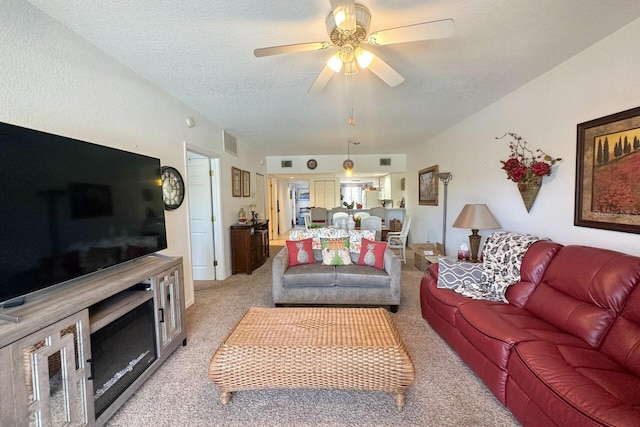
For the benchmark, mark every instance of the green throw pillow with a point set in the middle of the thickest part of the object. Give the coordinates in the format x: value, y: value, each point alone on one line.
x: 335, y: 251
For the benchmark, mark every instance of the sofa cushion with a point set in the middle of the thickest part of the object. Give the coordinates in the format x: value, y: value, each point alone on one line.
x: 494, y: 328
x: 622, y: 342
x: 361, y: 276
x: 583, y: 290
x: 452, y: 273
x: 300, y: 252
x: 576, y: 386
x: 335, y: 251
x: 443, y: 302
x: 372, y: 253
x: 309, y: 275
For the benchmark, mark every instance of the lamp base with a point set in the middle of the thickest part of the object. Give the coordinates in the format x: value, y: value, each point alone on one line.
x: 474, y: 245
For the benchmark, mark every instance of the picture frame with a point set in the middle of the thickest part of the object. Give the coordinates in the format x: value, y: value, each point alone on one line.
x: 607, y: 192
x: 304, y: 194
x: 236, y: 182
x: 246, y: 184
x: 428, y: 186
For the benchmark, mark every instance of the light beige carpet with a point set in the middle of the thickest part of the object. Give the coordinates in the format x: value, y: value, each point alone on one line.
x: 445, y: 392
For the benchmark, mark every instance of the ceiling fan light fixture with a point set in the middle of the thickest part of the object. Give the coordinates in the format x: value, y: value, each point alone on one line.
x: 352, y: 28
x: 335, y: 63
x: 350, y: 68
x: 364, y: 57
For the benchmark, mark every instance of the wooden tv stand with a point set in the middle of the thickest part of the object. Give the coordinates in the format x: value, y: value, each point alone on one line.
x: 51, y: 344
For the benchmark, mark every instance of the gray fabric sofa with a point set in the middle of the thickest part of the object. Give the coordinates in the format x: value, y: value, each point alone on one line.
x: 317, y: 284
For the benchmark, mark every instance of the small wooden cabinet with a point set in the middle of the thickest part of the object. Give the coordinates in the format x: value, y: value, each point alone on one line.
x: 249, y: 246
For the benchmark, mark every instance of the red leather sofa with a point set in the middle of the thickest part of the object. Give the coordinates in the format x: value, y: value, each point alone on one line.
x: 565, y: 350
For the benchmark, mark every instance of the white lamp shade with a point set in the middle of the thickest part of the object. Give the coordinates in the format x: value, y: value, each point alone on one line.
x: 476, y: 217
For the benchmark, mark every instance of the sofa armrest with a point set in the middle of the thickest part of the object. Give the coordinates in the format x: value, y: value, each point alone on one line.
x: 393, y: 267
x: 278, y: 268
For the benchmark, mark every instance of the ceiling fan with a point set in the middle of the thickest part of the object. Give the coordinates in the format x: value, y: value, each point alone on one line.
x: 348, y: 28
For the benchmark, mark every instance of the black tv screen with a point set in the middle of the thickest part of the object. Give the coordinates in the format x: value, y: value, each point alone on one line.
x: 69, y: 208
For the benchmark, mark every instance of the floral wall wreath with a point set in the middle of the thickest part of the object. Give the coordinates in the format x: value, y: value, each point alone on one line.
x: 526, y: 167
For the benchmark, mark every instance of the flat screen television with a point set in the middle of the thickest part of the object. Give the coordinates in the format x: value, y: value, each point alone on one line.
x: 69, y: 208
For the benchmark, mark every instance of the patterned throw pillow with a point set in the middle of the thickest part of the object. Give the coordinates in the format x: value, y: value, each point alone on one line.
x: 300, y: 252
x: 453, y: 274
x: 335, y: 251
x: 372, y: 253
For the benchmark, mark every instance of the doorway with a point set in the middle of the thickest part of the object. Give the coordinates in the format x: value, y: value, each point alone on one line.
x: 207, y: 254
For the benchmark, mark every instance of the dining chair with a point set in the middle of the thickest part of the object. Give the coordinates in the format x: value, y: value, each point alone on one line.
x: 398, y: 239
x: 318, y: 215
x: 339, y: 217
x: 307, y: 219
x: 372, y: 223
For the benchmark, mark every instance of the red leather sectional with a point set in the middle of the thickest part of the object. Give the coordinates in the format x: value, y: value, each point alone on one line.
x: 565, y: 351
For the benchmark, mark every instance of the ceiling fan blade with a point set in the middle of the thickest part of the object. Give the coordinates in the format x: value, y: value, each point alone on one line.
x: 344, y: 12
x: 322, y: 80
x: 385, y: 72
x: 411, y: 33
x: 290, y: 48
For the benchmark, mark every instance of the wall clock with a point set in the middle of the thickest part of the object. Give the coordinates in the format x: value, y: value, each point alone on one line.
x: 312, y: 164
x: 172, y: 188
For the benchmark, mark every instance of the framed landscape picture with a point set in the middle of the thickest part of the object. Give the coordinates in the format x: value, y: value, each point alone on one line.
x: 428, y: 186
x: 246, y: 184
x: 608, y: 171
x: 236, y: 182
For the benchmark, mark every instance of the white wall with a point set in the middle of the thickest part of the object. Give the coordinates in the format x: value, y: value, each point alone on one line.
x: 54, y: 81
x: 332, y: 164
x: 599, y: 81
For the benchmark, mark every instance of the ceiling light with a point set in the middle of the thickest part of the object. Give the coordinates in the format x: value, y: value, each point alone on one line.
x: 347, y: 32
x: 335, y: 63
x: 348, y: 164
x: 350, y: 68
x: 364, y: 57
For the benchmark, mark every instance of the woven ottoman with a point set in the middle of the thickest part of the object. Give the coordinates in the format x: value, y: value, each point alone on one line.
x: 329, y: 348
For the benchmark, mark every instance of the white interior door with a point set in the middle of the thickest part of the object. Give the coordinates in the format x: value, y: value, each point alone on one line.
x: 201, y: 219
x: 261, y: 191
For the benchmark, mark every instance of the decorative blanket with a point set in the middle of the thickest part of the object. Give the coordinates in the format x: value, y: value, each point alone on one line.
x: 503, y: 253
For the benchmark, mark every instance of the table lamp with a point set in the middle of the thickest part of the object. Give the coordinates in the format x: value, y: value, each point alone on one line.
x: 475, y: 217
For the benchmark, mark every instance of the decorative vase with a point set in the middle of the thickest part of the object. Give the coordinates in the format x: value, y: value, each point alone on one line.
x: 529, y: 190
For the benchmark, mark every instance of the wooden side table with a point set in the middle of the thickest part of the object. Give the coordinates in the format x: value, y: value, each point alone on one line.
x: 249, y: 246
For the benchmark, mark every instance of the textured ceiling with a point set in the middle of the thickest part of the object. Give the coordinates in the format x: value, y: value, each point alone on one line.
x: 201, y: 51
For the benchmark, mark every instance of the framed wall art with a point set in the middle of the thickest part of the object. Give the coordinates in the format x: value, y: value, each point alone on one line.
x: 428, y: 186
x: 246, y: 184
x: 236, y: 182
x: 607, y: 171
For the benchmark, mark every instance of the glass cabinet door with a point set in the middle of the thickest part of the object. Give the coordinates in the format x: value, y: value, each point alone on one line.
x: 168, y: 300
x: 52, y: 386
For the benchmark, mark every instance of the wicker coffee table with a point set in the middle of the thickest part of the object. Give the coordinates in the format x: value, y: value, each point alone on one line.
x: 330, y: 348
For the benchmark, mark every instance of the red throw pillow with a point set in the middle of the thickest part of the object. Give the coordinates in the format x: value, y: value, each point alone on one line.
x: 300, y: 251
x: 372, y: 253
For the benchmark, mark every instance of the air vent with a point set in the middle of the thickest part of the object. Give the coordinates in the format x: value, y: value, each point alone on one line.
x: 230, y: 144
x: 286, y: 163
x: 385, y: 162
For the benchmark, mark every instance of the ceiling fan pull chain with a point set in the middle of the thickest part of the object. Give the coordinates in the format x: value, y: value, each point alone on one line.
x: 350, y: 99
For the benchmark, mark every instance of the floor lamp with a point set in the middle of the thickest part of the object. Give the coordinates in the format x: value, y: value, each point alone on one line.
x: 445, y: 177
